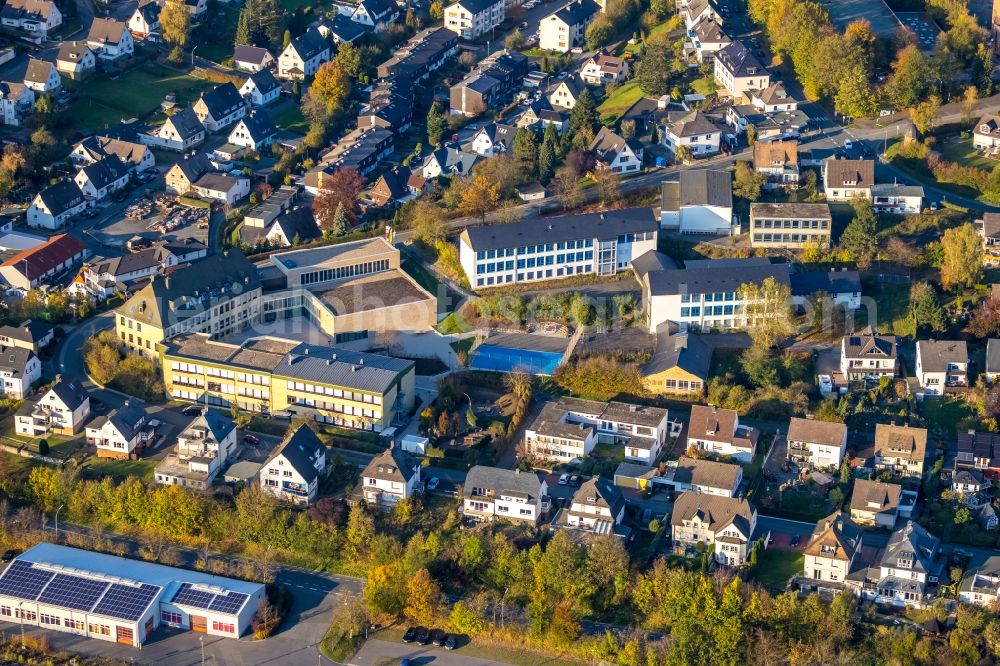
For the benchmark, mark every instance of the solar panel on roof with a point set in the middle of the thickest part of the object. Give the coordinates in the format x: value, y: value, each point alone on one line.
x: 228, y: 603
x: 189, y: 596
x: 127, y: 602
x: 73, y: 592
x: 23, y: 580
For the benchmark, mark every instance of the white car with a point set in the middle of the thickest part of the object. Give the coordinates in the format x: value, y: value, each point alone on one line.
x: 564, y: 479
x: 848, y: 144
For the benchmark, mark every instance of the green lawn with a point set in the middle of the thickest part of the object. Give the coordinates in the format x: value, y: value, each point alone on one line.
x: 704, y: 86
x: 291, y: 119
x: 217, y: 44
x: 892, y: 312
x: 453, y: 323
x: 620, y: 101
x: 964, y: 153
x: 944, y: 414
x: 136, y: 94
x: 776, y: 566
x: 119, y: 469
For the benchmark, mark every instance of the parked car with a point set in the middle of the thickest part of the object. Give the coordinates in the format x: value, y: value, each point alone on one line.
x: 563, y: 479
x: 410, y: 634
x: 438, y: 636
x: 433, y: 483
x: 574, y: 481
x: 250, y: 439
x: 191, y: 411
x: 154, y: 423
x: 795, y: 540
x: 449, y: 643
x: 9, y: 555
x: 423, y: 636
x: 848, y: 144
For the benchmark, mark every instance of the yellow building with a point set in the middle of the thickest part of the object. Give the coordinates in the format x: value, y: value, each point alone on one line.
x: 287, y: 378
x: 679, y: 365
x: 219, y: 294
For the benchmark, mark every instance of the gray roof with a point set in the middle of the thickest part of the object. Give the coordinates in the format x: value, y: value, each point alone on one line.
x: 698, y: 472
x: 698, y: 187
x: 222, y: 100
x: 790, y: 211
x: 217, y: 425
x: 499, y: 480
x: 476, y: 6
x: 807, y: 283
x: 578, y: 12
x: 531, y: 231
x: 186, y: 123
x: 105, y: 171
x: 70, y: 392
x: 394, y: 464
x: 993, y: 356
x: 714, y: 278
x: 251, y: 54
x: 601, y: 493
x: 693, y: 124
x: 738, y: 59
x: 869, y: 343
x: 309, y: 44
x: 914, y: 545
x: 935, y: 355
x: 884, y: 496
x: 15, y: 359
x: 341, y: 367
x: 896, y: 190
x: 217, y: 182
x: 32, y: 330
x: 61, y: 196
x: 264, y: 81
x: 683, y: 350
x: 817, y: 432
x: 128, y: 419
x: 301, y: 450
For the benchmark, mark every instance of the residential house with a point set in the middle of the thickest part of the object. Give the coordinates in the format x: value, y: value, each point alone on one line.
x: 989, y: 231
x: 420, y: 55
x: 122, y: 433
x: 602, y: 68
x: 296, y: 226
x: 292, y: 472
x: 679, y: 365
x: 106, y: 277
x: 867, y: 355
x: 110, y: 39
x: 718, y: 431
x: 145, y: 20
x: 696, y: 11
x: 739, y: 72
x: 181, y: 177
x: 102, y: 178
x: 376, y: 14
x: 204, y: 448
x: 255, y: 131
x: 42, y: 76
x: 62, y: 409
x: 992, y: 369
x: 725, y: 524
x: 389, y: 109
x: 449, y: 160
x: 596, y: 509
x: 941, y: 364
x: 980, y: 451
x: 196, y: 7
x: 901, y: 450
x: 55, y: 204
x: 391, y: 476
x: 471, y: 18
x: 362, y: 149
x: 842, y: 287
x: 565, y: 28
x: 261, y: 89
x: 20, y: 368
x: 986, y: 134
x: 340, y: 28
x: 700, y: 475
x: 773, y: 99
x: 181, y: 132
x: 33, y: 267
x: 16, y: 101
x: 33, y: 335
x: 897, y: 199
x: 910, y: 569
x: 845, y: 179
x: 981, y: 584
x: 831, y: 551
x: 709, y: 38
x: 615, y: 153
x: 534, y: 191
x: 790, y: 225
x: 75, y: 60
x: 490, y: 493
x: 967, y: 482
x: 563, y: 94
x: 220, y: 107
x: 252, y: 59
x: 816, y: 444
x: 136, y: 156
x: 222, y: 187
x: 493, y: 138
x: 875, y: 503
x: 779, y: 161
x: 700, y: 202
x: 695, y: 131
x: 303, y: 56
x: 534, y: 249
x: 394, y: 187
x: 539, y: 115
x: 34, y: 18
x: 474, y: 94
x: 642, y: 431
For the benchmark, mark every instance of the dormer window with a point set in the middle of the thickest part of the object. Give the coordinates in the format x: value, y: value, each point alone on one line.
x: 592, y: 499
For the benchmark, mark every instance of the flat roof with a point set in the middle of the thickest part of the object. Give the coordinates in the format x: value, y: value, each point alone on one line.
x: 317, y: 257
x: 844, y: 12
x: 604, y: 225
x: 528, y: 341
x: 373, y: 292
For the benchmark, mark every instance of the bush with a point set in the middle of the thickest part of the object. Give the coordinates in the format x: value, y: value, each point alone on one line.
x: 43, y: 447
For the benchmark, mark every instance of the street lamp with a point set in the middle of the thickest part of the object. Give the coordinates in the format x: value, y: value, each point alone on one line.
x: 20, y: 617
x: 57, y: 521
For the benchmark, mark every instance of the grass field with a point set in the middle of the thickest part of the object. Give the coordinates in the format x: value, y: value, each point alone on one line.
x: 217, y: 44
x: 776, y: 566
x: 892, y: 312
x: 119, y: 469
x: 619, y: 102
x: 964, y: 153
x: 291, y: 119
x: 135, y: 94
x: 944, y: 414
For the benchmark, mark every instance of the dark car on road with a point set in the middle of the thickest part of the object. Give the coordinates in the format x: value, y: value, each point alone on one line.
x: 423, y: 636
x: 250, y: 439
x: 191, y: 411
x: 411, y: 633
x: 795, y: 540
x: 449, y: 642
x: 438, y: 637
x: 8, y: 555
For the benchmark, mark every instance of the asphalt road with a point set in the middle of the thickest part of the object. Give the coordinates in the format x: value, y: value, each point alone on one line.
x: 376, y: 652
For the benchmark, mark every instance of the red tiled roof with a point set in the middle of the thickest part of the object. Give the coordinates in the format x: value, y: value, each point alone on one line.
x: 38, y: 261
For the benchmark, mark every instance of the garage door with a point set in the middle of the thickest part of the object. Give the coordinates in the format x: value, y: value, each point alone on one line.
x: 125, y: 635
x: 199, y: 624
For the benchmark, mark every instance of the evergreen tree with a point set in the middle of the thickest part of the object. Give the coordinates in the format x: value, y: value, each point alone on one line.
x: 436, y: 126
x: 526, y: 151
x: 546, y: 162
x: 859, y: 236
x: 584, y: 113
x: 340, y: 222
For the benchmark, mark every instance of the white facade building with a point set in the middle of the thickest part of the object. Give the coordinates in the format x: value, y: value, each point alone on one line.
x: 390, y: 477
x: 471, y: 18
x: 492, y: 492
x: 941, y: 364
x: 293, y: 471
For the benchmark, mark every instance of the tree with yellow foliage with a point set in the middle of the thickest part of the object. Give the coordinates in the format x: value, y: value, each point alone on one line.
x: 331, y: 86
x: 479, y: 197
